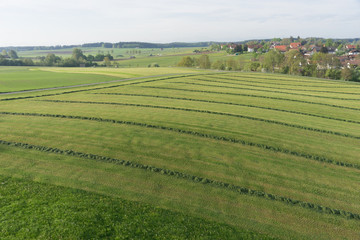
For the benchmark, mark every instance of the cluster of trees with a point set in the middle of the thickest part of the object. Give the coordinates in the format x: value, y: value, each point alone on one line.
x: 230, y: 64
x: 78, y: 58
x: 203, y: 62
x: 320, y: 65
x: 10, y: 58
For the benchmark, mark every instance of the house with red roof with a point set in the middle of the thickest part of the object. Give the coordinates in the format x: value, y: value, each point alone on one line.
x: 281, y: 48
x: 350, y: 47
x: 295, y: 45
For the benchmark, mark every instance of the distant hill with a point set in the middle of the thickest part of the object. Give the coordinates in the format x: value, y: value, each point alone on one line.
x: 113, y: 45
x: 153, y: 45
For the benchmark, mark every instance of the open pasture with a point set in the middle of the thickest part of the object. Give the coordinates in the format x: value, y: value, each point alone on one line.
x: 274, y: 155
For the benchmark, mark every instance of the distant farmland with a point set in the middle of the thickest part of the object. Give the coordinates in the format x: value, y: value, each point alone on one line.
x: 198, y: 154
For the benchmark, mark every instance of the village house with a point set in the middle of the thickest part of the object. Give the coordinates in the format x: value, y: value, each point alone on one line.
x: 253, y: 48
x: 295, y: 45
x: 350, y: 47
x: 281, y: 48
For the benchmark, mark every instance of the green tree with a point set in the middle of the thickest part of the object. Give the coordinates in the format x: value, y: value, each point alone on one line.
x: 51, y: 59
x: 329, y: 43
x: 204, y: 62
x: 107, y: 61
x: 186, y: 62
x: 77, y: 54
x: 294, y: 60
x: 273, y: 60
x: 231, y: 64
x: 218, y: 65
x: 347, y: 74
x: 333, y: 74
x: 13, y: 54
x: 238, y: 48
x: 99, y: 57
x: 4, y: 53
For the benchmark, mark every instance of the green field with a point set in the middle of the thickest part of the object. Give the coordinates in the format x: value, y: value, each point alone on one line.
x: 166, y: 57
x: 209, y: 155
x: 118, y: 53
x: 20, y: 78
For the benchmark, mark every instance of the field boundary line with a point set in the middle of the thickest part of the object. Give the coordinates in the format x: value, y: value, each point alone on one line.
x: 196, y: 179
x: 197, y: 134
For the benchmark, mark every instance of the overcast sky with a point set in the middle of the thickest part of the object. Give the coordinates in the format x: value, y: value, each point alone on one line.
x: 49, y: 22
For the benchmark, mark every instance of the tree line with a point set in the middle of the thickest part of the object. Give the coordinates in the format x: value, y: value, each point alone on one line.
x: 77, y: 58
x: 321, y: 65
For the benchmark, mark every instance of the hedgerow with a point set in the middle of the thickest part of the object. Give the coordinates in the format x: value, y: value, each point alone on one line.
x: 251, y: 95
x: 215, y: 113
x: 189, y: 177
x: 197, y: 134
x: 231, y: 103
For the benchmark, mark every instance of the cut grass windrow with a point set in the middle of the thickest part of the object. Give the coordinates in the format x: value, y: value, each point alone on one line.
x: 262, y: 86
x: 98, y: 88
x: 189, y: 177
x: 194, y: 133
x: 263, y: 90
x: 251, y: 95
x: 230, y: 103
x: 308, y: 80
x: 214, y: 113
x: 241, y: 79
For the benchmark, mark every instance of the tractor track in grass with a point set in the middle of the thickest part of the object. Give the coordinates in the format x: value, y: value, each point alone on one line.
x: 194, y: 133
x: 236, y: 82
x: 211, y: 112
x: 264, y: 90
x: 230, y: 103
x: 251, y: 95
x: 189, y: 177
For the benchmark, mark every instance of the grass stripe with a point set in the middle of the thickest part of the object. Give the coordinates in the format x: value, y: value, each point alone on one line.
x: 242, y: 79
x: 230, y: 103
x: 212, y: 112
x: 263, y: 90
x: 98, y: 88
x: 189, y: 177
x: 303, y: 79
x: 251, y: 95
x: 252, y: 85
x: 194, y: 133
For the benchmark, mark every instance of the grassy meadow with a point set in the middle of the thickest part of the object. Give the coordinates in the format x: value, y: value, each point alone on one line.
x: 179, y: 154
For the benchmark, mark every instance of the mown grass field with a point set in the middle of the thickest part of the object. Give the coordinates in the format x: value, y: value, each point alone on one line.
x: 256, y: 155
x: 116, y: 52
x: 29, y: 78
